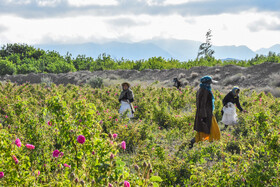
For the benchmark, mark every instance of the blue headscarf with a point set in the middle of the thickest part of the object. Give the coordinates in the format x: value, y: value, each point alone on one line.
x: 205, y: 82
x: 234, y: 90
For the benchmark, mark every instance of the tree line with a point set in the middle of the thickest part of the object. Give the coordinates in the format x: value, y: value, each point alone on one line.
x: 23, y: 59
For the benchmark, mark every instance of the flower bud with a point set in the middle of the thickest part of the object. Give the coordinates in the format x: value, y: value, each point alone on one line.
x: 151, y: 171
x: 136, y: 167
x: 92, y: 182
x: 112, y: 156
x: 149, y: 165
x: 72, y: 176
x: 110, y: 136
x: 82, y: 182
x: 144, y: 164
x: 76, y: 180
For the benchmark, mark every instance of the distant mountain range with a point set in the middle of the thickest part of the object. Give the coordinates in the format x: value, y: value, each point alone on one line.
x: 182, y: 50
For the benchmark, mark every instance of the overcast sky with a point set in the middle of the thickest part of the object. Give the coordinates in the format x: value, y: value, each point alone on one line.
x: 254, y: 23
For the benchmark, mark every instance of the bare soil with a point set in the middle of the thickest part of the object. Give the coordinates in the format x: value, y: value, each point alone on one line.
x: 265, y: 77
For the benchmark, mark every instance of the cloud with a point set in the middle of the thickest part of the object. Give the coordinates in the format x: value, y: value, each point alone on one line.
x: 264, y: 25
x: 3, y: 28
x: 70, y: 8
x: 125, y: 22
x: 81, y: 3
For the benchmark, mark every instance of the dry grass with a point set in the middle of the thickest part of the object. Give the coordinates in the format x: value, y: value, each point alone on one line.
x: 274, y: 91
x: 194, y: 75
x: 275, y: 79
x: 234, y: 79
x: 113, y: 77
x: 181, y: 76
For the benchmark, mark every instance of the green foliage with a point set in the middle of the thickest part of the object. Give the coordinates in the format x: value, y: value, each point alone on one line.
x: 27, y: 59
x: 205, y: 48
x: 157, y: 139
x: 7, y: 67
x: 95, y: 82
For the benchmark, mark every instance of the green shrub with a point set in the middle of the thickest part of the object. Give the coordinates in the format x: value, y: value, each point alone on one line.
x: 7, y: 67
x: 95, y: 82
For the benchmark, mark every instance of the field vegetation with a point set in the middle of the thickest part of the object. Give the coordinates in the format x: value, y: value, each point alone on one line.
x: 55, y: 135
x: 24, y: 59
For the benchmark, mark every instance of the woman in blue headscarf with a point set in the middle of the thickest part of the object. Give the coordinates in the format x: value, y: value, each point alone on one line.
x: 205, y: 123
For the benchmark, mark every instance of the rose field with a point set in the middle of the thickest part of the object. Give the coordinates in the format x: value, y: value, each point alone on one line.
x: 73, y: 136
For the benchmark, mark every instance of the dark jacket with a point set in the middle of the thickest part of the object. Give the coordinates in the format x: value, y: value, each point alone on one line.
x: 204, y: 111
x: 126, y: 95
x: 235, y: 100
x: 177, y: 84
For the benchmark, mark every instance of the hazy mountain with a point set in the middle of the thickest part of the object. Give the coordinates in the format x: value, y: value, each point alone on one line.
x: 265, y: 51
x: 117, y: 50
x: 182, y: 50
x: 236, y: 52
x: 179, y: 49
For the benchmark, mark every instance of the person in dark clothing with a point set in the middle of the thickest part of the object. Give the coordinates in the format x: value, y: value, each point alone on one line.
x: 177, y: 83
x: 232, y: 97
x: 126, y: 98
x: 205, y: 123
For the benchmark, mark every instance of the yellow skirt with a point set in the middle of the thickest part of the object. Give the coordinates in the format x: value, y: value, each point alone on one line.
x: 214, y: 133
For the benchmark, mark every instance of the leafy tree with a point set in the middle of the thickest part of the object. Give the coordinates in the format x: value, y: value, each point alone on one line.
x: 7, y: 67
x: 205, y: 48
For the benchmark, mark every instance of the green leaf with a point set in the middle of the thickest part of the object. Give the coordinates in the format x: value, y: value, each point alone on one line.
x: 155, y: 184
x: 155, y: 179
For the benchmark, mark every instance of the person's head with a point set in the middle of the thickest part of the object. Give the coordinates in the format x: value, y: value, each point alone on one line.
x: 235, y: 91
x: 175, y: 80
x: 207, y: 80
x: 125, y: 85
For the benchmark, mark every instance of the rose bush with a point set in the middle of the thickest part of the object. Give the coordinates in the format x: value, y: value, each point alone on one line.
x: 155, y: 151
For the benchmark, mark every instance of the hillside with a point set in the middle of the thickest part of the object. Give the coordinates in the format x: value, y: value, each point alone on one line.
x: 264, y: 76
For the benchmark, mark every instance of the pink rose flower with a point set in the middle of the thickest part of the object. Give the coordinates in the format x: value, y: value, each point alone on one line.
x: 126, y: 184
x: 81, y: 139
x: 6, y: 116
x: 15, y: 159
x: 117, y: 120
x: 93, y: 153
x: 110, y: 185
x: 123, y: 144
x: 30, y: 146
x: 115, y: 135
x: 39, y: 173
x: 66, y: 165
x: 49, y: 123
x: 18, y: 142
x: 1, y: 175
x: 55, y: 153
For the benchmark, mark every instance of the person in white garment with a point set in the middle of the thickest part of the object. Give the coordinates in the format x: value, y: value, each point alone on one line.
x: 126, y: 98
x: 229, y: 114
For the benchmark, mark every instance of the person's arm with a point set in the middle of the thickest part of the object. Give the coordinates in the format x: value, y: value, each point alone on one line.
x: 121, y: 96
x: 225, y: 100
x: 202, y: 104
x: 130, y: 96
x: 238, y: 104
